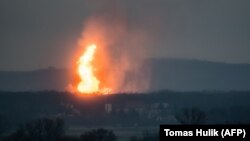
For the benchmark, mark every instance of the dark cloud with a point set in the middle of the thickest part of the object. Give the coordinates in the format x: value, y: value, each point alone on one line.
x: 37, y: 34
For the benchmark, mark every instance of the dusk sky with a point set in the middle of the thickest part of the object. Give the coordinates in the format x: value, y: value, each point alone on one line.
x: 39, y: 34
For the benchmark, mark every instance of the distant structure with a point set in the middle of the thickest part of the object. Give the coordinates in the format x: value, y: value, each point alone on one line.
x: 108, y: 108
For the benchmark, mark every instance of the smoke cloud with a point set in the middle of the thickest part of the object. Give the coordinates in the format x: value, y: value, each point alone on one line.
x: 120, y: 49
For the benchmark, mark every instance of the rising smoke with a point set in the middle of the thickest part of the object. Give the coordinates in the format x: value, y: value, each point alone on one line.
x: 120, y: 49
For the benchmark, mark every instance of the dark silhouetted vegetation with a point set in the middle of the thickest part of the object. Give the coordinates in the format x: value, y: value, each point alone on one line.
x: 146, y: 136
x: 53, y: 129
x: 138, y: 109
x: 125, y: 112
x: 98, y: 135
x: 191, y: 116
x: 44, y: 129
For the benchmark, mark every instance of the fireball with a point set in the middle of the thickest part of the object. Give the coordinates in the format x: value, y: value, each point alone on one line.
x: 89, y: 82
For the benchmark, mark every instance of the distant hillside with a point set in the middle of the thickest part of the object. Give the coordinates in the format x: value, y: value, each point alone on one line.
x: 190, y: 75
x: 46, y: 79
x: 173, y: 74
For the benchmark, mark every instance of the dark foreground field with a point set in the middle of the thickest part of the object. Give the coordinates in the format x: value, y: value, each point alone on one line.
x: 126, y: 116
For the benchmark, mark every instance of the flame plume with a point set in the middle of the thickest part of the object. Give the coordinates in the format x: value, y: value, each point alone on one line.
x: 89, y: 83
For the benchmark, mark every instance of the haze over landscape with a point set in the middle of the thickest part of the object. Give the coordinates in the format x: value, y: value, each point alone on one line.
x: 114, y: 70
x: 39, y: 34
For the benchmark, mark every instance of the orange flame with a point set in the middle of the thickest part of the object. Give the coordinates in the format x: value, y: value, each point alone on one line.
x: 89, y: 83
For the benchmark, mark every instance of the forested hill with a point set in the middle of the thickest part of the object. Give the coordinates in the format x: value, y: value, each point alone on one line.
x: 172, y: 74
